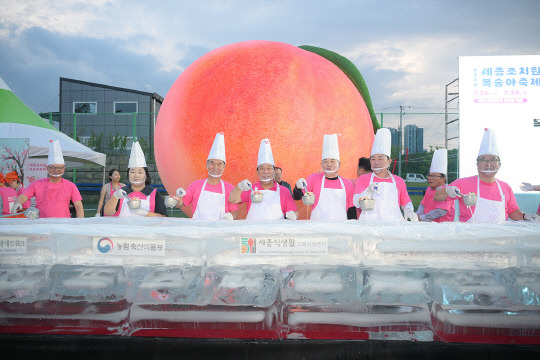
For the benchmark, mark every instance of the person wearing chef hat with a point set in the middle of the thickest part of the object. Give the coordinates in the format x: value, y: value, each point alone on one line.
x: 54, y: 193
x: 209, y: 198
x: 333, y: 194
x: 388, y: 191
x: 152, y: 202
x: 495, y: 199
x: 10, y: 192
x: 429, y: 209
x: 277, y: 202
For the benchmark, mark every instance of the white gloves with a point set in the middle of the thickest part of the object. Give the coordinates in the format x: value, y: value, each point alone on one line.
x: 97, y: 215
x: 291, y: 215
x: 526, y: 186
x: 180, y: 192
x: 531, y: 217
x: 120, y: 194
x: 141, y: 212
x: 301, y: 184
x: 244, y: 185
x: 410, y: 215
x: 228, y: 216
x: 16, y: 206
x: 453, y: 191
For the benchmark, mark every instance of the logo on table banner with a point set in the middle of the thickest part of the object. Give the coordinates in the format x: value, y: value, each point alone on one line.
x: 132, y: 247
x: 104, y: 245
x: 283, y: 246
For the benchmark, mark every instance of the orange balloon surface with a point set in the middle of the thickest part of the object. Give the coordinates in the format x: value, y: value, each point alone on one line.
x: 254, y: 90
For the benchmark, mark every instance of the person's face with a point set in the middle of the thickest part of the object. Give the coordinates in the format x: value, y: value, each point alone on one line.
x: 56, y: 170
x: 379, y: 161
x: 278, y: 175
x: 115, y: 176
x: 488, y: 164
x: 330, y: 165
x: 215, y: 167
x: 12, y: 184
x: 265, y: 172
x: 137, y: 176
x: 435, y: 180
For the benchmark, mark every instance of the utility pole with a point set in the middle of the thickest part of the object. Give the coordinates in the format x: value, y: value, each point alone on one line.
x: 400, y: 142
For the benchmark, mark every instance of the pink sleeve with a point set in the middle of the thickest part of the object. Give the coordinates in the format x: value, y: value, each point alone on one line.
x: 75, y: 194
x: 538, y: 211
x: 188, y: 198
x: 230, y: 206
x: 244, y: 196
x: 404, y: 197
x: 511, y: 204
x: 362, y: 183
x: 30, y: 192
x: 287, y: 202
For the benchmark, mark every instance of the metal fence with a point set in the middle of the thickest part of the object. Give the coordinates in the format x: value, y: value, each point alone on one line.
x: 415, y: 135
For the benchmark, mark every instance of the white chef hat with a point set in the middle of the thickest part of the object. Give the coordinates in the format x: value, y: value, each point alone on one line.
x: 382, y: 144
x: 55, y: 154
x: 330, y: 149
x: 218, y: 148
x: 489, y: 144
x: 265, y: 153
x: 439, y: 163
x: 136, y: 157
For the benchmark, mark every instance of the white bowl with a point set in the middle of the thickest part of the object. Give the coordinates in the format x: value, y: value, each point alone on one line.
x: 134, y: 204
x: 367, y: 204
x: 170, y: 202
x: 256, y: 198
x: 308, y: 199
x: 470, y: 200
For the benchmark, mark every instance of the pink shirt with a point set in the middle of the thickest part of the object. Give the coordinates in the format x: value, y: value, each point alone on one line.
x: 488, y: 191
x: 52, y: 199
x: 314, y: 182
x: 431, y: 204
x: 363, y: 182
x: 193, y: 193
x: 285, y: 197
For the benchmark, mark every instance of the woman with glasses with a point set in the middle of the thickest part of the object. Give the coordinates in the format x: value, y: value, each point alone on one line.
x: 496, y: 201
x: 54, y: 193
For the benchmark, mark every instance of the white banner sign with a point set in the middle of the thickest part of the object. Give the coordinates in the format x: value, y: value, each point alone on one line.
x: 283, y: 246
x: 132, y: 247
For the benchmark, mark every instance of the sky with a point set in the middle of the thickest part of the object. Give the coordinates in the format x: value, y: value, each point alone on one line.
x: 407, y: 51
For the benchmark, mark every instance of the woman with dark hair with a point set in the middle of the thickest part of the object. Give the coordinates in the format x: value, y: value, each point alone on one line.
x: 108, y: 189
x: 150, y: 202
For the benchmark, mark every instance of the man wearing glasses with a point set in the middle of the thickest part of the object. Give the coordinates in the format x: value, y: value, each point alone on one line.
x: 53, y: 193
x: 429, y: 209
x: 496, y: 200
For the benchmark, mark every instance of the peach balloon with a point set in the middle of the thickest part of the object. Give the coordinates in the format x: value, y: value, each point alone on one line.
x: 254, y: 90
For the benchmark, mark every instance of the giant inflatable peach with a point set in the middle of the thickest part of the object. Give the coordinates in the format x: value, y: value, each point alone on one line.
x: 254, y: 90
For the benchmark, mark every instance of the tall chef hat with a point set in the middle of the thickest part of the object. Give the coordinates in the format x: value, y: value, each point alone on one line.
x: 489, y: 144
x: 439, y: 163
x: 382, y: 144
x: 330, y: 149
x: 265, y: 153
x: 136, y: 157
x: 55, y: 154
x: 218, y: 148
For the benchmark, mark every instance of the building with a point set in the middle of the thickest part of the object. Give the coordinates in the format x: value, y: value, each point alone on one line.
x: 414, y: 139
x: 107, y: 118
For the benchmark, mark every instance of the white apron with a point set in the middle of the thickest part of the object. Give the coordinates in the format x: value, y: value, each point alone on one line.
x: 269, y: 208
x: 332, y: 204
x: 211, y: 205
x: 386, y: 203
x: 125, y: 211
x: 488, y: 211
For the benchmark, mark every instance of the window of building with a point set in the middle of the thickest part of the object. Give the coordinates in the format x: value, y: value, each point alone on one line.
x: 124, y: 107
x: 85, y: 107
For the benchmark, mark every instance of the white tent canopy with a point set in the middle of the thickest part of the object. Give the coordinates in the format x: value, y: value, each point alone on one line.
x: 18, y: 121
